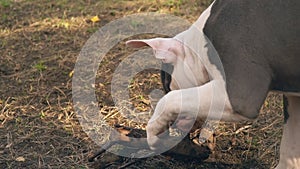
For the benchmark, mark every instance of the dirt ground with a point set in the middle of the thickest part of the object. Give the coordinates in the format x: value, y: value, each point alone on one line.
x: 39, y: 44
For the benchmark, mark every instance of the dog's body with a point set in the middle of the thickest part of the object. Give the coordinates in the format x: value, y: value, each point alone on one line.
x: 240, y: 50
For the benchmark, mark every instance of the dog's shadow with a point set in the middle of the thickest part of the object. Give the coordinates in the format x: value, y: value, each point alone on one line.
x: 165, y: 162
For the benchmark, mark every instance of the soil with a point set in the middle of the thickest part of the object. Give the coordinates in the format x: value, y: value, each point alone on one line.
x: 39, y: 45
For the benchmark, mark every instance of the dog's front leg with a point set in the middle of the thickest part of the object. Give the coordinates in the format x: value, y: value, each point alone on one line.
x: 183, y: 107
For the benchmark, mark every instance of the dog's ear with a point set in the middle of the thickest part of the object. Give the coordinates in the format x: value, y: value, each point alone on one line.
x: 165, y: 49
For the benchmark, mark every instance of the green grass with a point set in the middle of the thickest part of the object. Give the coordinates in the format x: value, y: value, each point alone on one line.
x: 175, y: 3
x: 5, y: 3
x: 40, y: 66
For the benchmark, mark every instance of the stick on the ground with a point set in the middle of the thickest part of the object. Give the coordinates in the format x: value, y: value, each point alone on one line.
x: 185, y: 149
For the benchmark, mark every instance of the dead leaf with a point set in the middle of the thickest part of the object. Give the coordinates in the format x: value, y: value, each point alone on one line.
x: 20, y: 159
x: 95, y: 19
x: 71, y: 73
